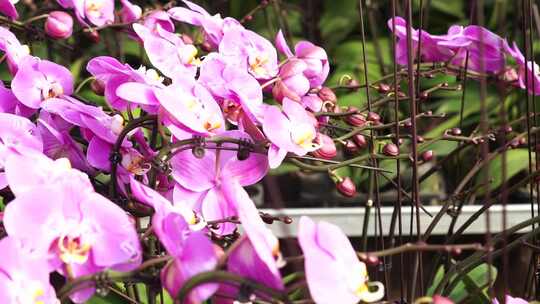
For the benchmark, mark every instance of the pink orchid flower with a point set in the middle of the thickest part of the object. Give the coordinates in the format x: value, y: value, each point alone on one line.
x: 234, y: 87
x: 251, y: 52
x: 38, y: 80
x: 214, y: 26
x: 201, y: 181
x: 81, y: 231
x: 7, y: 7
x: 528, y: 69
x: 291, y: 130
x: 24, y: 278
x: 315, y: 58
x: 168, y: 52
x: 333, y: 272
x: 188, y: 108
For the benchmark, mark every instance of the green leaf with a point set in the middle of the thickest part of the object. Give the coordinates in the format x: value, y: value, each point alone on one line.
x: 476, y: 279
x: 516, y: 161
x: 111, y: 298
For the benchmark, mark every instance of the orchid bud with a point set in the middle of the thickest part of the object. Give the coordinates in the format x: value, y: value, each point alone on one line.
x: 423, y: 95
x: 514, y: 143
x: 427, y: 155
x: 383, y: 88
x: 328, y: 147
x: 351, y: 147
x: 374, y: 117
x: 455, y: 131
x: 59, y: 25
x: 98, y: 87
x: 355, y: 120
x: 346, y: 187
x: 437, y: 299
x: 93, y: 36
x: 522, y: 141
x: 390, y: 149
x: 420, y: 139
x: 360, y: 141
x: 327, y: 95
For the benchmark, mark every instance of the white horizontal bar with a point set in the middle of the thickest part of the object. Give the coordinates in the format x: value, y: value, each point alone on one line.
x: 351, y: 219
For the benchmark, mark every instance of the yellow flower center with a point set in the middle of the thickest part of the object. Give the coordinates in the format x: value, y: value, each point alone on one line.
x: 303, y: 136
x: 54, y: 90
x: 188, y: 53
x: 256, y: 64
x: 93, y: 7
x: 73, y: 250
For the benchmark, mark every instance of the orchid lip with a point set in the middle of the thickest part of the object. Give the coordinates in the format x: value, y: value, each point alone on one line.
x: 73, y: 250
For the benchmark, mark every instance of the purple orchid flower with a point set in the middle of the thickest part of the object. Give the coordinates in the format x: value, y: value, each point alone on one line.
x: 257, y: 256
x: 81, y: 231
x: 160, y: 18
x: 315, y: 58
x: 10, y: 104
x: 484, y: 47
x: 528, y: 69
x: 430, y: 52
x: 511, y: 300
x: 115, y: 74
x: 24, y: 278
x: 333, y: 272
x: 97, y: 12
x: 58, y: 143
x: 130, y: 12
x: 251, y: 52
x: 193, y: 252
x: 7, y: 7
x: 292, y: 82
x: 201, y: 181
x: 291, y: 130
x: 14, y: 50
x: 168, y: 52
x: 38, y: 80
x: 16, y: 134
x: 189, y: 108
x: 227, y: 82
x: 214, y: 26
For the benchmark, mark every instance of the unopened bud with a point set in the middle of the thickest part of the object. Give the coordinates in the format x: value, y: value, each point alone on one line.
x: 59, y: 25
x: 351, y: 147
x: 328, y: 148
x: 93, y: 36
x: 327, y: 95
x: 383, y: 88
x: 346, y: 187
x: 427, y: 155
x: 360, y: 141
x: 390, y: 149
x: 98, y: 87
x: 374, y: 117
x: 455, y: 131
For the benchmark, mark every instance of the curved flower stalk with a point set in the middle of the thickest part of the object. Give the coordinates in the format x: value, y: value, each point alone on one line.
x: 291, y: 130
x: 24, y: 278
x: 333, y: 272
x: 214, y: 27
x: 80, y: 231
x: 201, y: 180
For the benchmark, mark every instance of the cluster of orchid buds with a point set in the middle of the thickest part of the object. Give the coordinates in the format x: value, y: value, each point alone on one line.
x: 178, y: 142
